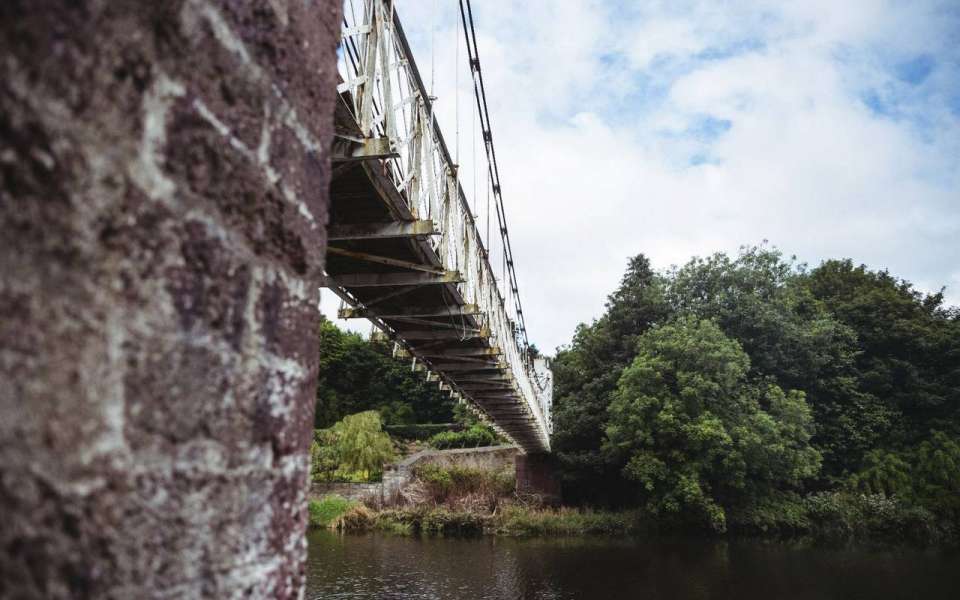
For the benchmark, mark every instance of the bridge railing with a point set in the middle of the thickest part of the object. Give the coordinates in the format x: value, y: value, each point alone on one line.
x: 390, y: 103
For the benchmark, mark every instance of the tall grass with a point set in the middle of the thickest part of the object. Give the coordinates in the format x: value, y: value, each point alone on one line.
x: 326, y: 511
x: 523, y: 521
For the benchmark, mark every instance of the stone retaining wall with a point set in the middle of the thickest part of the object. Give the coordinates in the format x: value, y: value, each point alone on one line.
x: 399, y: 475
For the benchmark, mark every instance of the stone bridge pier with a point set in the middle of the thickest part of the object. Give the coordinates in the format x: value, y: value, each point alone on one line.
x: 537, y: 474
x: 164, y: 173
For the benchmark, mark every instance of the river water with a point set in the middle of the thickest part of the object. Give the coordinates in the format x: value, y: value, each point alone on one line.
x: 390, y: 567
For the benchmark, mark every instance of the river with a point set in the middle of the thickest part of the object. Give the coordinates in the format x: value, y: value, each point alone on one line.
x: 401, y: 568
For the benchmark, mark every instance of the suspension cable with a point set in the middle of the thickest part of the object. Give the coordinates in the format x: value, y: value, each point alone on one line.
x: 433, y: 51
x: 456, y: 98
x: 479, y: 92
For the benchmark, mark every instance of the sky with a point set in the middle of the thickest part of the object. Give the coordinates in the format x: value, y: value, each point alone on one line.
x: 679, y: 129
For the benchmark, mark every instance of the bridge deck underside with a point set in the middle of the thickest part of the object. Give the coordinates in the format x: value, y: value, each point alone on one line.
x: 412, y: 294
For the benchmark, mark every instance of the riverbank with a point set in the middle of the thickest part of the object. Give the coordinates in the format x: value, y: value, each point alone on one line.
x: 827, y: 517
x: 515, y: 521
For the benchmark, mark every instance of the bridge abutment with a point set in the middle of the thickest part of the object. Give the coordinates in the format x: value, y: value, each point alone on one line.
x: 164, y: 175
x: 536, y: 474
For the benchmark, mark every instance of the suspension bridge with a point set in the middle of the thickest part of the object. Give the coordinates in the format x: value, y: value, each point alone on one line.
x: 408, y: 249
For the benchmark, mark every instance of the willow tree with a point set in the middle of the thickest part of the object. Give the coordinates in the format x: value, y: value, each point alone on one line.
x: 354, y: 449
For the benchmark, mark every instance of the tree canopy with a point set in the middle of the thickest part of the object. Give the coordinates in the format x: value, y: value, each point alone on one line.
x: 696, y: 433
x: 357, y: 375
x: 727, y: 380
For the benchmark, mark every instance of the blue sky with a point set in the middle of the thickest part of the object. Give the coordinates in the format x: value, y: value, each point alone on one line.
x: 831, y: 129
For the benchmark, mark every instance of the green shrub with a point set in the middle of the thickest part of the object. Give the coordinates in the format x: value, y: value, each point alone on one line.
x: 325, y: 511
x: 521, y: 521
x: 440, y: 521
x: 837, y: 516
x: 421, y: 432
x: 429, y: 521
x: 927, y: 475
x: 778, y: 513
x: 474, y: 437
x: 394, y: 522
x: 357, y: 518
x: 446, y: 483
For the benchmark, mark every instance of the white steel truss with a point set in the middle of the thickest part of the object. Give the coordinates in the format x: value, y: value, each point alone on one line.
x: 385, y: 93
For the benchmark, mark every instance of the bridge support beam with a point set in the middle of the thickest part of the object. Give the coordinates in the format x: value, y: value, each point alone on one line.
x: 162, y: 217
x: 414, y: 311
x: 350, y: 280
x: 377, y: 231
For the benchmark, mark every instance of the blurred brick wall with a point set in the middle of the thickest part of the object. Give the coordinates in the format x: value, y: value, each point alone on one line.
x: 163, y: 201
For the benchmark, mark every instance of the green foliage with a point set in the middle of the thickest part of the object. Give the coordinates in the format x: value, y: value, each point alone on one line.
x: 324, y: 455
x: 761, y: 300
x: 586, y: 374
x: 927, y: 475
x: 839, y: 516
x: 357, y: 375
x: 474, y: 437
x: 441, y: 521
x: 849, y: 363
x: 883, y: 473
x: 908, y: 357
x: 430, y: 521
x: 513, y: 520
x: 522, y: 521
x: 354, y: 449
x: 697, y: 435
x: 394, y: 523
x: 936, y: 472
x: 325, y: 511
x: 419, y: 431
x: 446, y: 483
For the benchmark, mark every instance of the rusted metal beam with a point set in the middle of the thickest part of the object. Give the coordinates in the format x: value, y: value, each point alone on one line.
x: 453, y: 367
x: 436, y: 324
x: 410, y: 311
x: 493, y: 387
x: 439, y: 334
x: 390, y: 279
x: 394, y: 294
x: 384, y: 260
x: 463, y: 353
x: 485, y: 378
x: 346, y: 149
x: 484, y: 360
x: 375, y: 231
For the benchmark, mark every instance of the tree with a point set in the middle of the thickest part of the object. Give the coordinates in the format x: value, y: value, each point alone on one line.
x: 763, y: 301
x: 585, y: 375
x: 698, y: 436
x: 927, y: 474
x: 355, y: 448
x: 909, y: 346
x: 357, y: 374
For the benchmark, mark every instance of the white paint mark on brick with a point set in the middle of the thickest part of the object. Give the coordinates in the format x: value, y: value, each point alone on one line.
x: 287, y: 114
x: 280, y: 9
x: 268, y: 171
x: 146, y: 171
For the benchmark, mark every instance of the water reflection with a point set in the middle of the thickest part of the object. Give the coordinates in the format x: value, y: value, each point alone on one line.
x: 380, y: 566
